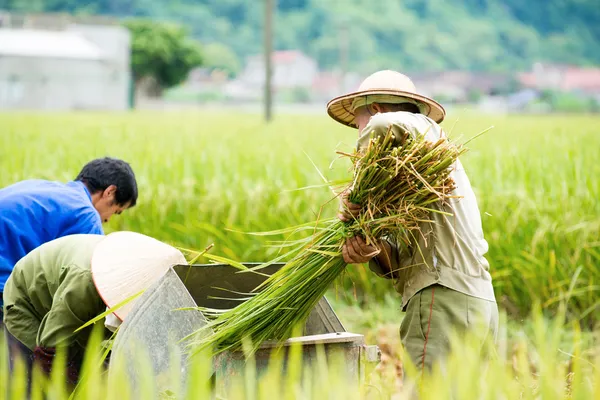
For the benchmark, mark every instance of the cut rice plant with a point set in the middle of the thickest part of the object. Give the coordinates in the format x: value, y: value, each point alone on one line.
x: 397, y: 180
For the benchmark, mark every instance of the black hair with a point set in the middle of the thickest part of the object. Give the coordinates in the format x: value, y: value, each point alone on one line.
x: 409, y: 107
x: 99, y: 174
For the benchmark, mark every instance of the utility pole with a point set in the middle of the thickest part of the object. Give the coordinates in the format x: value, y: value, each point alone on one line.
x: 268, y: 59
x: 344, y: 52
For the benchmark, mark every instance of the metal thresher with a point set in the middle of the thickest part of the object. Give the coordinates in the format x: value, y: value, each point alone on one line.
x: 162, y: 317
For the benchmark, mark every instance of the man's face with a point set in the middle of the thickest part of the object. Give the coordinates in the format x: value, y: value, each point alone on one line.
x: 361, y: 118
x: 106, y: 204
x: 362, y: 115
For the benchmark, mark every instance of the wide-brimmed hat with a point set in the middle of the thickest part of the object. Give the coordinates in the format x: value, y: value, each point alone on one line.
x: 383, y: 87
x: 126, y: 263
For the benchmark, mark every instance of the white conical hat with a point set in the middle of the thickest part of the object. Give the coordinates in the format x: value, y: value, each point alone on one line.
x: 125, y: 263
x: 384, y: 86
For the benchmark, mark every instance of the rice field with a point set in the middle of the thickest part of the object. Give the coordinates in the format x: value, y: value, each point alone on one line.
x: 202, y: 176
x: 207, y: 177
x: 546, y: 363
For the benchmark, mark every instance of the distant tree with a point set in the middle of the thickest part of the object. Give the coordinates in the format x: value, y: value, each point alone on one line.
x: 287, y: 5
x: 434, y: 35
x: 595, y: 105
x: 218, y: 56
x: 162, y: 53
x: 474, y: 96
x: 511, y: 86
x: 22, y: 5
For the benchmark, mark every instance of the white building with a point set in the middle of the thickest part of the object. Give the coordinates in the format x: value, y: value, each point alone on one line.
x: 291, y: 69
x: 79, y: 68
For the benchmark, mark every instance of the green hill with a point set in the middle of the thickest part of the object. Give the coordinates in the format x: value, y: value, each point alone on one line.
x: 410, y: 35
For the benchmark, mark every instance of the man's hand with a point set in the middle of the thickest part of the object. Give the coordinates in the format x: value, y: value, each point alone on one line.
x: 357, y: 251
x: 348, y: 211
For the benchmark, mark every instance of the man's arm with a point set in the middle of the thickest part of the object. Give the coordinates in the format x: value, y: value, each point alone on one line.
x: 386, y: 262
x: 75, y: 302
x: 381, y: 256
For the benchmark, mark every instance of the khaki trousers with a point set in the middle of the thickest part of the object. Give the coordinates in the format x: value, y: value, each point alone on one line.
x: 437, y: 311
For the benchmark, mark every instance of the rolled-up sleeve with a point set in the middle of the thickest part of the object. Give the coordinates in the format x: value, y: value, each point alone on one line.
x: 379, y: 270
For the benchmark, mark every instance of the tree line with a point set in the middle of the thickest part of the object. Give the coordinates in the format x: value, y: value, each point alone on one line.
x: 408, y: 35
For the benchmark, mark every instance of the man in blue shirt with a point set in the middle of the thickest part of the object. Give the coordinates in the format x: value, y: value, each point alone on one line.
x: 34, y: 212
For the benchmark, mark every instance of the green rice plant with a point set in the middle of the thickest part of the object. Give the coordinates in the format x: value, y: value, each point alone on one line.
x: 547, y: 359
x: 203, y: 180
x: 205, y: 176
x: 397, y: 181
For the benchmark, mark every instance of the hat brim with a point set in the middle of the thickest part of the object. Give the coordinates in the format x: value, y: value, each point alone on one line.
x: 126, y: 263
x: 340, y: 108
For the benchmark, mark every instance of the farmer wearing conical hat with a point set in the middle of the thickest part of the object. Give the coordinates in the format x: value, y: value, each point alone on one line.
x: 444, y: 276
x: 63, y: 284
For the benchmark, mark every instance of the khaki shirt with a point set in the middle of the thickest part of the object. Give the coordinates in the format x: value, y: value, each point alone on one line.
x: 50, y: 294
x: 451, y: 249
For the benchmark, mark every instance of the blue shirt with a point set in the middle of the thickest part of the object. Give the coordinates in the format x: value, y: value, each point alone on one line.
x: 34, y: 212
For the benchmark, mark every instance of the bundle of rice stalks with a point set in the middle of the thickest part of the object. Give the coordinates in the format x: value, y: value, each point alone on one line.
x: 396, y: 180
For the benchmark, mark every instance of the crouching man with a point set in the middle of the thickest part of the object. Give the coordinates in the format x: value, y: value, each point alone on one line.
x: 35, y: 211
x: 443, y: 276
x: 64, y: 283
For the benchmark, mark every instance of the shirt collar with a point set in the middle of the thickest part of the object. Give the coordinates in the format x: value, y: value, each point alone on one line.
x: 80, y: 185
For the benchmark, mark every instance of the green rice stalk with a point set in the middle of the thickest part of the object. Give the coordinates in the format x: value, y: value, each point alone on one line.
x: 397, y: 181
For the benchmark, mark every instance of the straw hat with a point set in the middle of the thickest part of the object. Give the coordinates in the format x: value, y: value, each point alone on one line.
x: 125, y: 263
x: 383, y: 87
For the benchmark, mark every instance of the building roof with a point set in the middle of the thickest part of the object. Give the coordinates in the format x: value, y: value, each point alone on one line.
x: 571, y: 78
x: 586, y: 79
x: 50, y: 44
x: 527, y: 79
x: 287, y: 56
